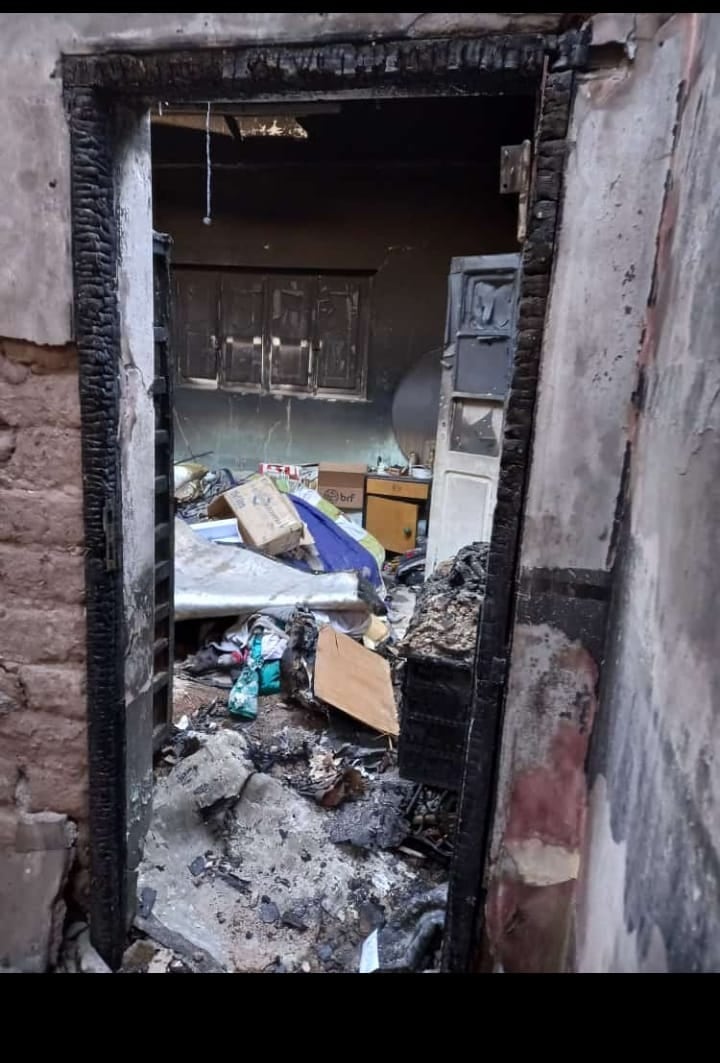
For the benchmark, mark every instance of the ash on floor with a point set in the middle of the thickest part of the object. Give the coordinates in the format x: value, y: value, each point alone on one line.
x: 280, y: 844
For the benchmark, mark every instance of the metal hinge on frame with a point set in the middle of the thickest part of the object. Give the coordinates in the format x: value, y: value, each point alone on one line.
x: 110, y: 530
x: 515, y: 162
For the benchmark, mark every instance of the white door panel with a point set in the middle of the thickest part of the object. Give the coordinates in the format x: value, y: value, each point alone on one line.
x: 475, y: 375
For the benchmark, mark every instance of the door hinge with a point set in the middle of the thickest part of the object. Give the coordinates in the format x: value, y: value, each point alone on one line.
x: 515, y: 162
x: 110, y: 531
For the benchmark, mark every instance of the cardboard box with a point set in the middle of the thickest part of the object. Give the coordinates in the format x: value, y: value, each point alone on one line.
x: 343, y: 485
x: 355, y: 680
x: 307, y: 475
x: 267, y: 518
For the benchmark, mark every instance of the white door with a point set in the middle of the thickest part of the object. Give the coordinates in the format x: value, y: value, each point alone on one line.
x: 476, y: 367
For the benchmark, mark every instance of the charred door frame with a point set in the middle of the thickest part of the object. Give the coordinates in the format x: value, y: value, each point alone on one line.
x: 94, y: 85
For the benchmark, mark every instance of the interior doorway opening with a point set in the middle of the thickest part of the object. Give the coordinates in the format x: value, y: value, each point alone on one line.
x: 312, y: 310
x: 109, y: 98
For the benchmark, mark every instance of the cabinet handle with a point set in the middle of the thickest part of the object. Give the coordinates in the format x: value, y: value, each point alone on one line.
x: 407, y: 532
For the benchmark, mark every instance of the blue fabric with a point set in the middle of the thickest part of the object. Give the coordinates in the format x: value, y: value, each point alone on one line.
x: 338, y: 552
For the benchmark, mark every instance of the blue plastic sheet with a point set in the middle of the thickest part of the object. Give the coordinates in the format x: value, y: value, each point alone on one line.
x: 337, y: 551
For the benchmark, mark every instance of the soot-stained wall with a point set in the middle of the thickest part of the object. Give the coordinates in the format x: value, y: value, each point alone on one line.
x: 650, y: 888
x: 620, y: 145
x: 403, y: 220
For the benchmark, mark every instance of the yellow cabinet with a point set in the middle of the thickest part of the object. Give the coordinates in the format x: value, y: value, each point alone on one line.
x: 393, y: 507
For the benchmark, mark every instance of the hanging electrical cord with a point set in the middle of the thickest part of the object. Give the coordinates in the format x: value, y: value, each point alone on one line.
x: 207, y: 220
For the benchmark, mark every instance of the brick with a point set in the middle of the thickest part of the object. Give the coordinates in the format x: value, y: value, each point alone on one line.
x: 51, y: 751
x: 41, y: 359
x: 44, y: 573
x: 12, y: 372
x: 50, y: 517
x: 8, y: 442
x: 33, y: 401
x: 41, y: 458
x: 28, y: 732
x: 34, y: 634
x: 8, y: 777
x: 55, y: 688
x: 52, y: 785
x: 8, y: 828
x: 12, y: 694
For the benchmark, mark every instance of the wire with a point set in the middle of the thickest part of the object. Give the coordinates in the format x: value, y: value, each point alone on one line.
x: 207, y: 220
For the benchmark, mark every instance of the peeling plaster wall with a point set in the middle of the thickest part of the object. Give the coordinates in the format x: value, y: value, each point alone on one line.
x: 621, y: 141
x: 650, y: 896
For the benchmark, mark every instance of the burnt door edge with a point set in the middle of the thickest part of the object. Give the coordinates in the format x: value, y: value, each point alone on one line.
x: 482, y: 748
x: 97, y: 337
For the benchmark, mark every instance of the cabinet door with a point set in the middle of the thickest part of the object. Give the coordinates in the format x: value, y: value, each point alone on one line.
x: 195, y: 325
x: 340, y: 333
x: 242, y: 311
x: 289, y: 318
x: 393, y: 523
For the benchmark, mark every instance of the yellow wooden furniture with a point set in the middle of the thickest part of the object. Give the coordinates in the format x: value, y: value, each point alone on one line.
x: 393, y: 507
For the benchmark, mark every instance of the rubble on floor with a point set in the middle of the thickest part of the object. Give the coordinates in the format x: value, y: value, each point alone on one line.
x: 78, y: 955
x: 411, y: 939
x: 282, y: 837
x: 447, y: 614
x: 277, y: 845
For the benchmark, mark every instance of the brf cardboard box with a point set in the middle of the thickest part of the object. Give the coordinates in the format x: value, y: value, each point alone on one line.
x: 342, y: 484
x: 266, y: 517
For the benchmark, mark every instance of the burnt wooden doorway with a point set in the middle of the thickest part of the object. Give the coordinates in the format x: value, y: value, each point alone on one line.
x: 96, y: 87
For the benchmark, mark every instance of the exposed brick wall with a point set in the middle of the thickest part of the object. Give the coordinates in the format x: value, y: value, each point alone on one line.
x: 43, y: 742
